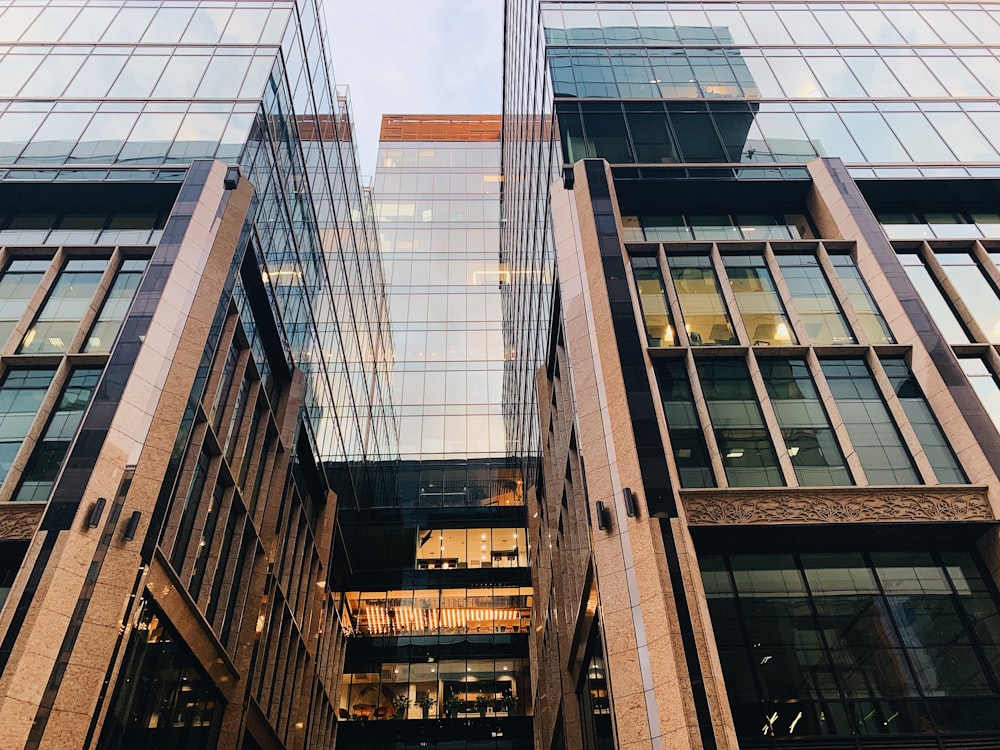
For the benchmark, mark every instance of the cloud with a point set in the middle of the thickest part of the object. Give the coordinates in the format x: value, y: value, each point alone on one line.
x: 426, y: 57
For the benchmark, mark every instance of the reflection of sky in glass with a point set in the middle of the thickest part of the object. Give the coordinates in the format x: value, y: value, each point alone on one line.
x: 985, y: 385
x: 167, y: 81
x: 840, y: 59
x: 438, y: 207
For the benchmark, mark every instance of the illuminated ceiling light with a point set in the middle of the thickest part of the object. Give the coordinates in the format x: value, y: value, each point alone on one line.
x: 735, y: 453
x: 793, y: 451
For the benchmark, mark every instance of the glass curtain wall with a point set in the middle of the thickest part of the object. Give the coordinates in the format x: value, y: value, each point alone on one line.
x: 438, y: 208
x: 868, y: 643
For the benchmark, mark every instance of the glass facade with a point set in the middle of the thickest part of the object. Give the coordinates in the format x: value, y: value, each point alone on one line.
x: 469, y: 688
x: 877, y: 642
x: 733, y: 94
x: 447, y: 641
x: 784, y: 346
x: 111, y: 114
x: 438, y: 207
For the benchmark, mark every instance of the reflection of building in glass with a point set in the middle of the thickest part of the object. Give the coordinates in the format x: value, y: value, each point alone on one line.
x: 433, y: 581
x: 769, y: 402
x: 191, y: 322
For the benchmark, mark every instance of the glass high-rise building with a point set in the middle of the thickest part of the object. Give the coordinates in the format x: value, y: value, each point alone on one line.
x: 767, y: 504
x: 194, y: 327
x: 434, y: 580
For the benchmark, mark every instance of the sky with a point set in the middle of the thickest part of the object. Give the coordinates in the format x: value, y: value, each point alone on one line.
x: 415, y: 57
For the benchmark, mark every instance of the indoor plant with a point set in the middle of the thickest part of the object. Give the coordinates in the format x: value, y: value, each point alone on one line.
x: 425, y: 702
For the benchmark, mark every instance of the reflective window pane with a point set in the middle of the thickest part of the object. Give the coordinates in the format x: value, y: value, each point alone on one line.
x: 653, y: 301
x: 985, y: 385
x: 18, y: 285
x: 978, y: 293
x: 760, y: 307
x: 705, y: 318
x: 810, y: 441
x: 814, y: 300
x: 686, y: 437
x: 936, y: 447
x: 112, y: 314
x: 43, y: 466
x: 15, y: 71
x: 872, y: 322
x: 67, y: 304
x: 21, y: 396
x: 743, y: 440
x: 876, y: 439
x: 932, y: 297
x: 96, y: 76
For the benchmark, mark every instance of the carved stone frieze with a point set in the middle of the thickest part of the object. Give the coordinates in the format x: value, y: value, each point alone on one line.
x: 850, y: 505
x: 18, y: 521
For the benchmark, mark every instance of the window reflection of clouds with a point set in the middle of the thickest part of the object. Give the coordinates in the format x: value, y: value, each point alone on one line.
x: 14, y: 72
x: 128, y: 26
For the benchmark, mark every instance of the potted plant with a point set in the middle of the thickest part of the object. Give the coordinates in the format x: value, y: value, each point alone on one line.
x: 453, y: 706
x: 506, y: 702
x: 425, y: 702
x: 482, y: 703
x: 400, y: 704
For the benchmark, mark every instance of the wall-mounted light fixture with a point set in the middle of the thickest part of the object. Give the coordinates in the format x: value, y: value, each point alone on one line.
x: 95, y: 515
x: 630, y: 505
x: 603, y: 522
x: 133, y: 525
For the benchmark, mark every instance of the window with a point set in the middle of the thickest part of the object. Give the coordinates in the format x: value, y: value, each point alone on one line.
x: 43, y: 467
x: 705, y: 317
x: 437, y: 611
x: 21, y: 397
x: 105, y: 329
x: 17, y: 287
x: 442, y: 549
x: 872, y: 322
x: 805, y: 427
x: 931, y: 295
x: 653, y: 301
x: 855, y: 642
x: 978, y: 294
x: 744, y: 444
x: 932, y: 439
x: 876, y: 439
x: 445, y: 689
x: 686, y: 436
x: 189, y: 513
x: 985, y: 386
x: 814, y: 300
x: 763, y: 314
x: 67, y: 304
